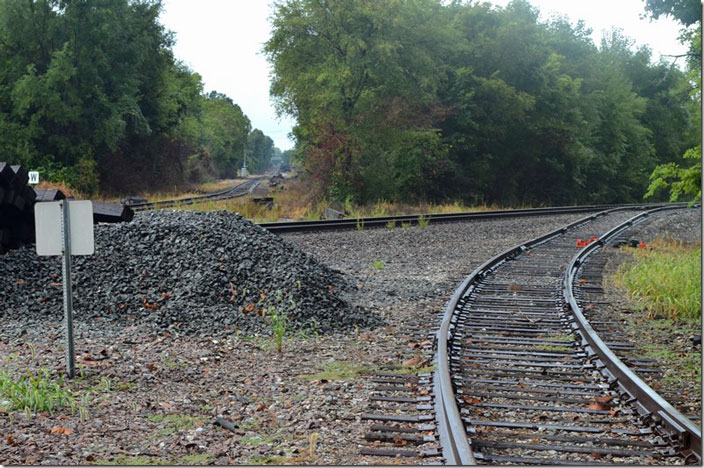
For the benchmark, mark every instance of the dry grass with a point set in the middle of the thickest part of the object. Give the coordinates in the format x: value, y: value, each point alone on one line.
x: 296, y: 202
x: 65, y: 189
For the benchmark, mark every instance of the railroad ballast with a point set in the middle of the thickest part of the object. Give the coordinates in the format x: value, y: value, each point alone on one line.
x: 194, y: 272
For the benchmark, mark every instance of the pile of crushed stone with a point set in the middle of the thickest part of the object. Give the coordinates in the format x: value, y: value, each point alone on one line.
x: 198, y: 272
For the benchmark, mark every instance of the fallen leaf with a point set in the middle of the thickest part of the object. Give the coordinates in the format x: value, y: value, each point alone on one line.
x: 472, y: 401
x: 165, y: 405
x: 399, y: 442
x: 11, y: 441
x: 249, y: 308
x: 426, y: 342
x: 595, y: 405
x: 603, y: 399
x: 413, y: 361
x: 164, y: 295
x: 61, y: 430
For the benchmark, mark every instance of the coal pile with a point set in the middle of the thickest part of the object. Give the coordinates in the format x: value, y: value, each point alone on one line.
x: 197, y: 272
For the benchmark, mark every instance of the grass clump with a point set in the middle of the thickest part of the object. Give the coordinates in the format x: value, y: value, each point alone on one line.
x: 136, y: 460
x: 423, y: 221
x: 36, y: 392
x: 280, y: 324
x: 173, y: 423
x: 666, y: 280
x: 338, y: 370
x: 378, y: 264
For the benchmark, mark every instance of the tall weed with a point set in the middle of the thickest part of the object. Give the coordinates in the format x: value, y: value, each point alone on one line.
x: 666, y: 280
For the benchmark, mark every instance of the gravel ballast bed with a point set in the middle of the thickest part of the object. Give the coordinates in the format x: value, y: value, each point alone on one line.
x: 159, y: 373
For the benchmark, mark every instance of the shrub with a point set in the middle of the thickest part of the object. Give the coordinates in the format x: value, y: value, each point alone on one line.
x: 666, y: 280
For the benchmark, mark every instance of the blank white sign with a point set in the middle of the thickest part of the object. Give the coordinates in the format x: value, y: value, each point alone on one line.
x: 47, y: 218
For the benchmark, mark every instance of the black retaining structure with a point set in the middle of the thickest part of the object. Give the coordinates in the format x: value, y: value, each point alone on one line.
x: 17, y: 201
x: 16, y: 208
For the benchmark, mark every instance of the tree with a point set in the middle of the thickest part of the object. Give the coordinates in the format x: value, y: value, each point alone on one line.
x: 683, y: 177
x: 347, y: 71
x: 260, y: 149
x: 226, y: 131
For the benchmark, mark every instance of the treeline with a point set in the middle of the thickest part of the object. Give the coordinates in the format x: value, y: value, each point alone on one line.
x: 91, y: 95
x: 429, y: 100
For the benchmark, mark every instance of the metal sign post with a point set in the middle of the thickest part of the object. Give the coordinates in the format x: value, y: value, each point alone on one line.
x: 65, y: 228
x: 68, y: 291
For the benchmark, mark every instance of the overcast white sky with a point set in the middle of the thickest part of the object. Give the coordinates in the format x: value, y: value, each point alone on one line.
x: 222, y: 40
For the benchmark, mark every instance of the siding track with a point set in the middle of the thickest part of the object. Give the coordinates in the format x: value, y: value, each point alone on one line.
x: 522, y: 374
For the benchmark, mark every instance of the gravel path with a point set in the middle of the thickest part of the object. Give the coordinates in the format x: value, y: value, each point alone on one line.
x: 153, y: 393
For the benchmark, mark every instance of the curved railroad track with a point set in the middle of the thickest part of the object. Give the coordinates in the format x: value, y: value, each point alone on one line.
x: 522, y: 377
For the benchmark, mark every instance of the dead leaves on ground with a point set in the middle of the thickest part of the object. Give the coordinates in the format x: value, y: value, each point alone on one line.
x: 61, y: 430
x: 601, y: 403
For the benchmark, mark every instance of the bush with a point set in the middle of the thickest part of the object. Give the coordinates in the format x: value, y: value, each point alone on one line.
x: 666, y: 280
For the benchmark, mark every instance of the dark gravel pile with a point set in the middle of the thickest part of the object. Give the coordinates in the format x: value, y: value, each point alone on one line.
x: 198, y: 272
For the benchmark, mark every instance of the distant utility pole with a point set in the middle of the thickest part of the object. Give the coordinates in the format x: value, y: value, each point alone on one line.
x: 243, y: 172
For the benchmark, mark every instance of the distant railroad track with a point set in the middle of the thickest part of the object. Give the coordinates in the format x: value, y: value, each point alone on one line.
x: 522, y: 377
x: 232, y: 192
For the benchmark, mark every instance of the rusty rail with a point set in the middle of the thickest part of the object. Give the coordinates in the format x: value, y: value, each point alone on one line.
x: 684, y: 432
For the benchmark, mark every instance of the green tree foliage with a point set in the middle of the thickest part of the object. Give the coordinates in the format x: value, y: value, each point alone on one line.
x: 355, y: 74
x: 421, y: 99
x: 226, y: 130
x: 90, y: 92
x: 260, y: 150
x: 683, y: 176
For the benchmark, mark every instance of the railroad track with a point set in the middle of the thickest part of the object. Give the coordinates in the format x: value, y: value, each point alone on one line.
x: 398, y: 221
x: 232, y: 192
x: 523, y: 378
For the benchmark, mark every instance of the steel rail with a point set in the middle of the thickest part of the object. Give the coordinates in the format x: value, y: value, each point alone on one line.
x: 352, y: 223
x: 231, y: 192
x: 688, y: 435
x: 452, y: 435
x: 455, y: 444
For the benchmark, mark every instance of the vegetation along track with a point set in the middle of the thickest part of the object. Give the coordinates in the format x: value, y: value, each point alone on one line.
x: 523, y: 378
